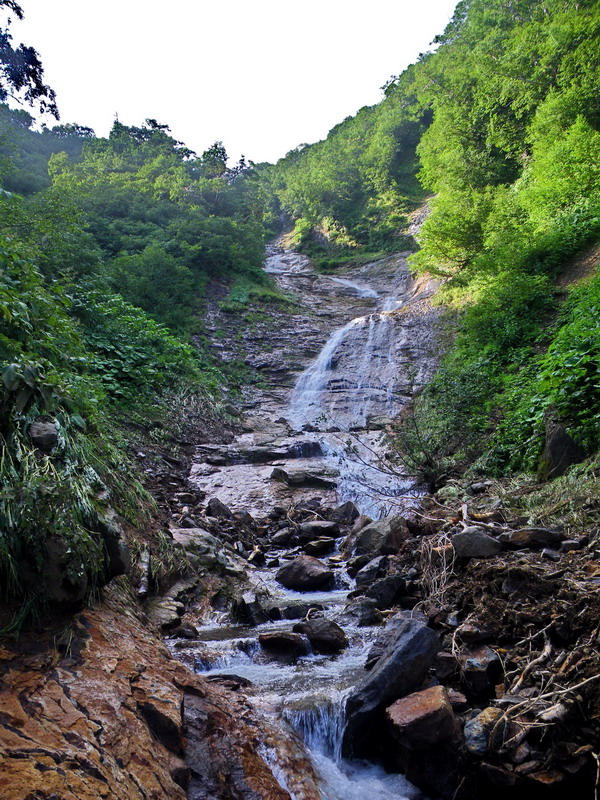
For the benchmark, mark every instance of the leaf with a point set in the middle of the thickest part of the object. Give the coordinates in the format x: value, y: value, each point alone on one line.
x: 11, y: 377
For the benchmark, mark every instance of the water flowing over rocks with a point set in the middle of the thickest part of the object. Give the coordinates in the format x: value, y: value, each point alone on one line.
x: 333, y: 373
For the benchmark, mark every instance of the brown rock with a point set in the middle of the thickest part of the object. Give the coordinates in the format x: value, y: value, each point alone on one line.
x: 422, y: 719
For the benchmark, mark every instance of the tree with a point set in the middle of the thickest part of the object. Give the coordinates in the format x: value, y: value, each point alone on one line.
x: 21, y: 71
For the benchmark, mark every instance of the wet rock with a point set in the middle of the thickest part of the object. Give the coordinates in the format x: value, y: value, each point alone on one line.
x: 185, y: 587
x: 371, y: 571
x: 319, y: 547
x: 475, y: 543
x: 284, y: 643
x: 481, y: 670
x: 530, y: 537
x: 206, y: 547
x: 44, y: 435
x: 324, y: 635
x: 257, y: 557
x: 346, y: 513
x: 378, y: 538
x: 569, y: 545
x: 291, y: 609
x: 305, y: 574
x: 215, y: 508
x: 185, y: 631
x: 422, y: 719
x: 400, y: 670
x: 362, y: 611
x: 387, y: 591
x: 317, y: 528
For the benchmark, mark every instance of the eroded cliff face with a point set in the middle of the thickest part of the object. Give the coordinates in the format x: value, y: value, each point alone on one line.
x: 99, y: 709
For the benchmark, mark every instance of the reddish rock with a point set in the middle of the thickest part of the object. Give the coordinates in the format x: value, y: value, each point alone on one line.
x: 422, y: 719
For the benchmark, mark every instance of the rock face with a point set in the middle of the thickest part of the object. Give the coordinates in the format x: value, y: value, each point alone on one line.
x: 305, y: 574
x: 401, y: 668
x: 106, y: 720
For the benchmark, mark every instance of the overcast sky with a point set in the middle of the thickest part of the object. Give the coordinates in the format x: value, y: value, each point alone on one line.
x: 263, y: 76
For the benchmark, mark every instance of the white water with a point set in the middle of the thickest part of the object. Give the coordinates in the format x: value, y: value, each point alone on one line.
x: 308, y: 693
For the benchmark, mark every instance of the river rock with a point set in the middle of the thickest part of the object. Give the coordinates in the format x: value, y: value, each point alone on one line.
x: 361, y: 611
x: 284, y: 643
x: 346, y: 513
x: 422, y: 719
x: 400, y: 670
x: 318, y: 547
x: 377, y: 538
x: 316, y: 529
x: 389, y: 634
x: 324, y: 635
x: 250, y: 609
x: 475, y: 543
x: 305, y: 574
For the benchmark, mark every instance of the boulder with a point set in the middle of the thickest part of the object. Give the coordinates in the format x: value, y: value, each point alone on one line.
x: 44, y: 435
x: 316, y: 529
x: 305, y: 574
x: 284, y: 643
x: 560, y: 450
x: 318, y: 547
x: 250, y: 609
x: 475, y: 543
x: 282, y: 538
x: 389, y: 634
x: 378, y: 538
x: 215, y: 508
x: 422, y: 719
x: 324, y: 635
x: 346, y: 513
x: 400, y: 670
x: 530, y: 537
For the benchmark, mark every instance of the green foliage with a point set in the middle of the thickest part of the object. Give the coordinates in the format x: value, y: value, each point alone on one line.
x: 566, y: 379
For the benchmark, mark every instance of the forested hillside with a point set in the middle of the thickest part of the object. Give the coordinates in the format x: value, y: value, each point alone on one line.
x: 500, y: 128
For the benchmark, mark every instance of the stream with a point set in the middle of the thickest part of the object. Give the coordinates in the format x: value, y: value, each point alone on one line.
x: 319, y: 429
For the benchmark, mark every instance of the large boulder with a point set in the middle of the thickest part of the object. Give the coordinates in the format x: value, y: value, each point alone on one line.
x: 400, y: 670
x: 324, y: 635
x: 284, y: 643
x: 387, y: 591
x: 305, y: 574
x: 473, y: 542
x: 377, y: 538
x: 44, y: 435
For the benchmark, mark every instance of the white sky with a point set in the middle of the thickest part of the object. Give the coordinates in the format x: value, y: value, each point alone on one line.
x: 262, y: 76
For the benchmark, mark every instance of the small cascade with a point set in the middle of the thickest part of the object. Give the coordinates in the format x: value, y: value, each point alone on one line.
x: 320, y: 723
